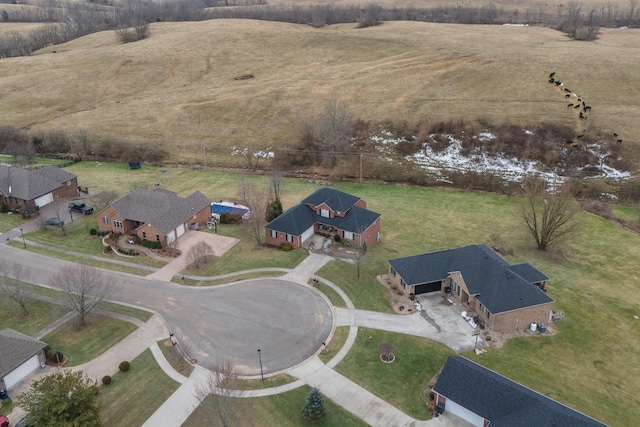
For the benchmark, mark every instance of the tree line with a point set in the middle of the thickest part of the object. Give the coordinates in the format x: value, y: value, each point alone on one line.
x: 68, y: 21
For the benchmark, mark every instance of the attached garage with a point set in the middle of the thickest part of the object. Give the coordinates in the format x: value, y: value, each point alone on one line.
x: 20, y: 355
x: 181, y: 229
x: 307, y: 234
x: 428, y: 287
x: 464, y: 413
x: 44, y: 200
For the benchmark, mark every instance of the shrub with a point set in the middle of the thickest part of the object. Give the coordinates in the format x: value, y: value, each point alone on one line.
x: 93, y: 232
x: 230, y: 218
x: 51, y: 353
x: 286, y: 246
x: 94, y: 390
x: 314, y: 409
x: 336, y: 238
x: 124, y: 366
x: 4, y: 208
x: 106, y: 380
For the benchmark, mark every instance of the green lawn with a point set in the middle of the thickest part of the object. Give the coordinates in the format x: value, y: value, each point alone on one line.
x: 143, y: 315
x: 9, y: 222
x: 235, y: 278
x: 83, y: 345
x: 273, y: 381
x: 400, y: 383
x: 282, y: 410
x: 174, y: 358
x: 41, y: 314
x: 134, y: 396
x: 337, y: 341
x: 330, y: 293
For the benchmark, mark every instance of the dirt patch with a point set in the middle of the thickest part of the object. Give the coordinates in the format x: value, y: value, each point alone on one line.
x: 400, y: 303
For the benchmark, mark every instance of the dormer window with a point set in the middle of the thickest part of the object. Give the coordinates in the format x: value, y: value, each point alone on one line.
x: 324, y: 213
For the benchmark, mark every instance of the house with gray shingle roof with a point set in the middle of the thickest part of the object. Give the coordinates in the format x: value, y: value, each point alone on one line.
x: 28, y: 190
x: 326, y: 210
x: 483, y: 397
x: 20, y: 355
x: 156, y: 215
x: 502, y: 296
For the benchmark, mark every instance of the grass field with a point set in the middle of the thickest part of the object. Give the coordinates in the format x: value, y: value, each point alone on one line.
x: 409, y: 71
x: 41, y: 314
x: 134, y: 396
x: 281, y: 410
x: 83, y: 345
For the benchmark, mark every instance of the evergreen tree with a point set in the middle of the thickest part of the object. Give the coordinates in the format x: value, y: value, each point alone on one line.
x: 314, y: 409
x: 274, y: 210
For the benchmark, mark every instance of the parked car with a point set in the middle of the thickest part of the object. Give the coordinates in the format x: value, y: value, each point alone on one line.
x: 4, y: 421
x: 80, y: 207
x: 53, y: 222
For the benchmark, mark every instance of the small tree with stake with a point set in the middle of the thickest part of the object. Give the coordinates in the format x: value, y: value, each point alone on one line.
x: 314, y: 410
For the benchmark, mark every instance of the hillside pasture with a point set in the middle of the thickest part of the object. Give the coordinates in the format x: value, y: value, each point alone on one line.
x: 178, y: 87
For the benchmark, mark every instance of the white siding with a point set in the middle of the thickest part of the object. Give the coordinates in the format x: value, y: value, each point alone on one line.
x: 181, y: 229
x: 464, y: 413
x: 21, y: 371
x: 44, y: 200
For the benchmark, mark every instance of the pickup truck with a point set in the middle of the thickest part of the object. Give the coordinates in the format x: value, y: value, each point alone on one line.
x: 80, y: 207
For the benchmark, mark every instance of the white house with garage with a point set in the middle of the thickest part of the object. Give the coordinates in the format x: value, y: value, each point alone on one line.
x: 20, y: 355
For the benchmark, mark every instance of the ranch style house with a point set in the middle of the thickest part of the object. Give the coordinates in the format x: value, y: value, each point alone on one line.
x: 20, y: 355
x: 29, y: 190
x: 329, y: 211
x: 485, y: 398
x: 155, y: 215
x: 504, y: 297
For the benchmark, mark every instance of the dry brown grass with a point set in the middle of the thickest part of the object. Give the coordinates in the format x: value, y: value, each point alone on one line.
x: 178, y: 86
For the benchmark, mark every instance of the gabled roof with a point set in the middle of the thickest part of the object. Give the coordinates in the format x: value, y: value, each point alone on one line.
x: 501, y: 401
x: 487, y: 275
x: 163, y: 209
x: 29, y: 184
x: 336, y: 200
x: 299, y: 218
x: 529, y: 272
x: 15, y: 349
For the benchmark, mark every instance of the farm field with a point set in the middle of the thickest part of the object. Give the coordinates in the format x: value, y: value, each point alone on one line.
x: 593, y: 278
x: 189, y: 101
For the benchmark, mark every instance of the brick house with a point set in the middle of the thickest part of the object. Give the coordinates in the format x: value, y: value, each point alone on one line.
x: 28, y: 190
x: 155, y: 215
x: 330, y: 211
x: 484, y: 398
x: 505, y: 297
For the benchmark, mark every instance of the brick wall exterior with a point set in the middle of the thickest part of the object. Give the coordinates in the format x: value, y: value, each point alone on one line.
x: 68, y: 190
x: 282, y: 238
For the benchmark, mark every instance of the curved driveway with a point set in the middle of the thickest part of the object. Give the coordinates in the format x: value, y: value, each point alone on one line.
x: 288, y: 322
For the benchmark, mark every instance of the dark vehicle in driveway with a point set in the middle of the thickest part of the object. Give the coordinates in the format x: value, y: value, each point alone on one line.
x: 80, y: 207
x: 54, y: 222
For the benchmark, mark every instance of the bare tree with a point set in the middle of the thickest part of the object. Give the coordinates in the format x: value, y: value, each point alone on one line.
x: 200, y: 254
x: 549, y: 216
x: 358, y: 257
x: 12, y: 278
x: 59, y: 210
x: 223, y: 385
x: 276, y: 184
x: 256, y: 201
x: 103, y: 199
x: 85, y: 287
x: 333, y: 130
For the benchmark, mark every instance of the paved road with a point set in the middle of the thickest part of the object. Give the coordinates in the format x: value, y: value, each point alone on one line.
x: 287, y: 321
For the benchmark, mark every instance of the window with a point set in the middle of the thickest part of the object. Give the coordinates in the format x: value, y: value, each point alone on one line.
x: 144, y: 235
x: 404, y: 284
x: 348, y: 235
x: 484, y: 309
x: 289, y: 238
x: 274, y: 234
x: 324, y: 213
x: 105, y: 220
x: 393, y: 272
x: 117, y: 224
x: 455, y: 287
x: 157, y: 237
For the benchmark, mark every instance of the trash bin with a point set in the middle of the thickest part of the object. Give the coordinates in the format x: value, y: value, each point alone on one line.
x: 533, y: 327
x: 439, y: 408
x: 542, y: 328
x: 3, y: 394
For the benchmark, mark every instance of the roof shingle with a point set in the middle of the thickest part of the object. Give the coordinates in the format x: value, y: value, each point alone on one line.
x: 15, y: 349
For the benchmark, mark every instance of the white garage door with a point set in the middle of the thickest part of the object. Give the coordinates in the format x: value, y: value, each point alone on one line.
x: 464, y: 413
x: 171, y: 237
x: 21, y: 371
x: 181, y: 229
x: 44, y: 200
x: 308, y: 233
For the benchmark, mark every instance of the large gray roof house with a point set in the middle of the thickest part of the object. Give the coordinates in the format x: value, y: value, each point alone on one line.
x: 29, y: 190
x: 483, y: 398
x: 157, y: 215
x: 505, y: 297
x: 19, y: 356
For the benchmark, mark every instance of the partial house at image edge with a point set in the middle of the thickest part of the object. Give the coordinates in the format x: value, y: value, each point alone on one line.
x: 20, y: 355
x: 156, y: 215
x: 505, y: 297
x: 29, y: 190
x: 326, y: 210
x: 485, y: 398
